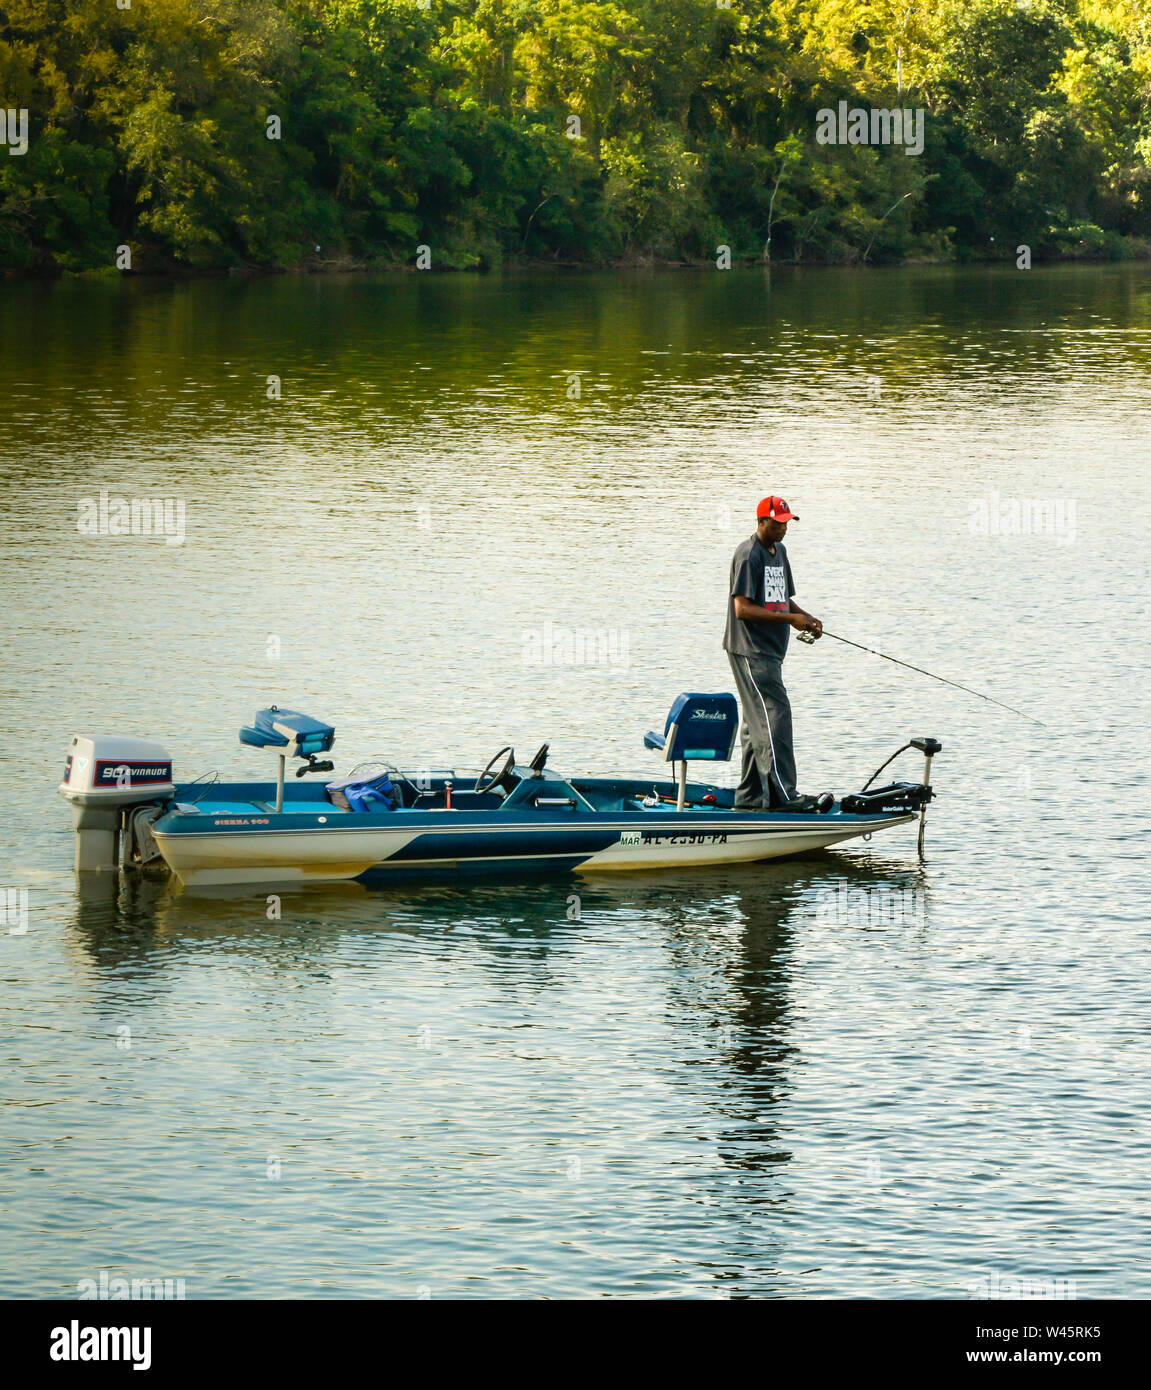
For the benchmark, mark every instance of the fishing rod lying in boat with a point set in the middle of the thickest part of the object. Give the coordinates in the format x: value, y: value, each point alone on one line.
x: 809, y: 638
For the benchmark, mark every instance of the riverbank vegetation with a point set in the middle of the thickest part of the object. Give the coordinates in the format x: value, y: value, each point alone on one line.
x: 208, y: 134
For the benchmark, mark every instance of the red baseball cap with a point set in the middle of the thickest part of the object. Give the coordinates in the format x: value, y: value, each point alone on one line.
x: 776, y: 508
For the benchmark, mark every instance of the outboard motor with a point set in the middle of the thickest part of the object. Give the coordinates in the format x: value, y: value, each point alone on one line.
x: 104, y: 774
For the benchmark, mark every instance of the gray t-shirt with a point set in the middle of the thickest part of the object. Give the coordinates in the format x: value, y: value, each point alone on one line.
x: 764, y: 578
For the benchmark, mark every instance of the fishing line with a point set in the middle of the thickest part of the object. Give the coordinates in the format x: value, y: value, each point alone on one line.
x: 808, y: 638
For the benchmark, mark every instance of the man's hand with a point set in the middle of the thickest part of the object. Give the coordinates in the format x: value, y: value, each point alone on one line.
x: 804, y: 622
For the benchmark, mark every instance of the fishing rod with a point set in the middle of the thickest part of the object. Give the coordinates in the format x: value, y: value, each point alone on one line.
x: 808, y: 638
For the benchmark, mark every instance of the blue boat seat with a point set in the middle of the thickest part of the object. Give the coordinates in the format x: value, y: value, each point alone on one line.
x: 699, y: 728
x: 286, y: 728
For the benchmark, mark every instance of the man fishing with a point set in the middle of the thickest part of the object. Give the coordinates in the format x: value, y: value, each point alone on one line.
x: 761, y: 611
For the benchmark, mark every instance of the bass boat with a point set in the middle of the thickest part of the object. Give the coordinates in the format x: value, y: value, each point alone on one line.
x: 383, y: 822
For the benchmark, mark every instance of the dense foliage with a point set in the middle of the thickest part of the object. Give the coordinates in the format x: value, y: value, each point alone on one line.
x: 452, y: 124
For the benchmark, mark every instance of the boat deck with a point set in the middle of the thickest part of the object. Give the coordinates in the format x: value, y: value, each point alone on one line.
x: 584, y: 795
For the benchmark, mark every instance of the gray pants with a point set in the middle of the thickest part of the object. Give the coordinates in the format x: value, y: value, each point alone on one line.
x: 765, y: 734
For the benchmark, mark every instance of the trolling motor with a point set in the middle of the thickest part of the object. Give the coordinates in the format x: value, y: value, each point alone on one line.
x: 898, y: 796
x: 928, y: 747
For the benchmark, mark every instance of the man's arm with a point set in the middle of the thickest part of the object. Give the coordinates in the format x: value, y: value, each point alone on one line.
x: 749, y: 612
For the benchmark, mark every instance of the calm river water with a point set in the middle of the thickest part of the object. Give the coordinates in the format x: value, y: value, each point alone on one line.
x: 847, y: 1075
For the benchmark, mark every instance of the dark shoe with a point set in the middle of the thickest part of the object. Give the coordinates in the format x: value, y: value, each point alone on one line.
x: 810, y: 804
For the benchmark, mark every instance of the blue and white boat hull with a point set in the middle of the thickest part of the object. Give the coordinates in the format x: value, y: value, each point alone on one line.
x: 278, y: 849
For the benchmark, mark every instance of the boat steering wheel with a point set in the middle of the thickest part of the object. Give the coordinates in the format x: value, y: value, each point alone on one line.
x: 496, y: 777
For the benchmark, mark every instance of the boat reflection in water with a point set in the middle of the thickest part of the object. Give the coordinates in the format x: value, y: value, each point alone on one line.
x: 661, y: 1025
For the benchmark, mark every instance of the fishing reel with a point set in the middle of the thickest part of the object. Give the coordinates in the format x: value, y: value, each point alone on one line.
x: 807, y: 637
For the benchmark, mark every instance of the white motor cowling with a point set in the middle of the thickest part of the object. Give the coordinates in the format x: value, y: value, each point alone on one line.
x: 103, y: 774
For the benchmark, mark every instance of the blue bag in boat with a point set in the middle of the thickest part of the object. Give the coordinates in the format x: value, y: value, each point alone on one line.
x: 364, y: 794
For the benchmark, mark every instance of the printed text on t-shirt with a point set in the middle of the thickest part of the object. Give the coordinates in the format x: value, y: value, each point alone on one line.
x: 775, y: 587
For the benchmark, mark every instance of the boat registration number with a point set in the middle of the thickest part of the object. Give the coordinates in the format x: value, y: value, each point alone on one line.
x: 647, y: 837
